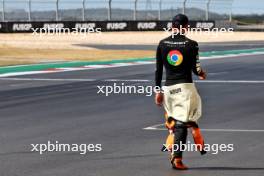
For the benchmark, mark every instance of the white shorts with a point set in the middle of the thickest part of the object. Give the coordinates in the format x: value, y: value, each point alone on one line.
x: 182, y: 102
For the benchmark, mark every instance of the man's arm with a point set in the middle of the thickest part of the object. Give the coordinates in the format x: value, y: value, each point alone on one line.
x: 159, y: 67
x: 196, y: 67
x: 158, y: 76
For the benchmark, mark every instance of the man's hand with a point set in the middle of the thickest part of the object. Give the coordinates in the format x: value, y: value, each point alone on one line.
x: 202, y: 75
x: 159, y: 99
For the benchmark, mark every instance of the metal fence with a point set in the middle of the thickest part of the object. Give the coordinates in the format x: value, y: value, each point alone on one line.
x: 100, y: 10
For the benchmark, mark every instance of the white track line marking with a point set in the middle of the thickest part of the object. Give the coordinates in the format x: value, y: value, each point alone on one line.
x: 232, y: 81
x: 47, y: 79
x: 217, y: 73
x: 232, y: 55
x: 129, y: 80
x: 161, y: 127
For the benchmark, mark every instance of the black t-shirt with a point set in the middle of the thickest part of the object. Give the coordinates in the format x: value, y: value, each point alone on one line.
x: 180, y: 57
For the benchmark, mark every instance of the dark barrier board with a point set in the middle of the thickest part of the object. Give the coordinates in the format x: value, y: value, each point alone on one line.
x: 14, y: 27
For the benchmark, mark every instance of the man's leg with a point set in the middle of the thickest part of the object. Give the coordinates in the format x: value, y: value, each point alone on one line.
x: 180, y: 137
x: 197, y: 137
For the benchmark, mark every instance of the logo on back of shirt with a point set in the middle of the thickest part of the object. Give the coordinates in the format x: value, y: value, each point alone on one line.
x: 175, y: 58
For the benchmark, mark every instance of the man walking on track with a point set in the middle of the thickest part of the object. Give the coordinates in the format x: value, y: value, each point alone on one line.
x: 179, y: 97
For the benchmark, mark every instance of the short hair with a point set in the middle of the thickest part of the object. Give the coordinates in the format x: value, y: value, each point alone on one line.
x: 179, y: 20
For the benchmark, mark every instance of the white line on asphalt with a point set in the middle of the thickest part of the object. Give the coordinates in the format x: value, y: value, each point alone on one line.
x: 47, y: 79
x: 128, y: 80
x: 217, y: 73
x: 161, y: 127
x: 232, y: 81
x: 232, y: 55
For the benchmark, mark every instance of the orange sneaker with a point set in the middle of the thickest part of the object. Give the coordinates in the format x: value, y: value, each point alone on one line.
x: 178, y: 165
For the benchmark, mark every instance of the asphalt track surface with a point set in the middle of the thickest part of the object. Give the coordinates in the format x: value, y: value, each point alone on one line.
x: 68, y: 111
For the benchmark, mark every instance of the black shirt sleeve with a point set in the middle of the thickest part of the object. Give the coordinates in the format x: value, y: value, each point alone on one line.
x: 196, y: 67
x: 159, y: 67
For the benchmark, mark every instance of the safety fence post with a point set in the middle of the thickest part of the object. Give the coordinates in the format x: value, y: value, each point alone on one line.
x: 231, y: 12
x: 207, y: 9
x: 29, y: 10
x: 160, y: 7
x: 184, y: 7
x: 109, y: 10
x: 135, y: 10
x: 3, y: 10
x: 83, y: 9
x: 57, y: 10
